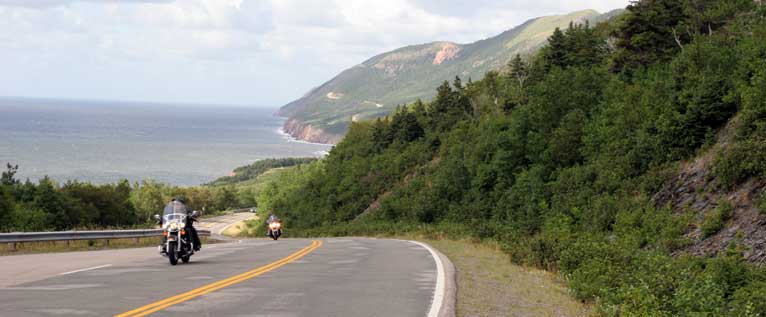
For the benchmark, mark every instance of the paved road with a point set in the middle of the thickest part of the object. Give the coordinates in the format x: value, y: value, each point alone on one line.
x: 217, y: 225
x: 257, y: 277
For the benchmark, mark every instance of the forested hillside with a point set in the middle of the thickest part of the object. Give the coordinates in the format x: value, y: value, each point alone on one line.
x: 373, y: 88
x: 252, y: 171
x: 576, y: 160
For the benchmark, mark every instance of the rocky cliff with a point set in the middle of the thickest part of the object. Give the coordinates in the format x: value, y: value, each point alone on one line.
x: 306, y: 132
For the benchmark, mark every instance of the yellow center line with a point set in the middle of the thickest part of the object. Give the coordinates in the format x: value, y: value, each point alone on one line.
x: 180, y: 298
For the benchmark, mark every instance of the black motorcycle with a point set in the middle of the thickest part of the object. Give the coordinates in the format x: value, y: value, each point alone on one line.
x: 178, y: 241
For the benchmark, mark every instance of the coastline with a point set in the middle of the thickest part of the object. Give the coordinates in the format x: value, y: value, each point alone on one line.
x: 299, y: 131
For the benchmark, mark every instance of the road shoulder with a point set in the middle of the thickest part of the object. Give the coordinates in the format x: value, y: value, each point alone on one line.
x: 488, y: 284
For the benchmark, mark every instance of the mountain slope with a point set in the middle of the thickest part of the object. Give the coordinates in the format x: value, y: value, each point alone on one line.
x: 375, y: 87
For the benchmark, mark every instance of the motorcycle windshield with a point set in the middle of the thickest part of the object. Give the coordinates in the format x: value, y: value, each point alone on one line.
x: 174, y: 211
x: 174, y: 207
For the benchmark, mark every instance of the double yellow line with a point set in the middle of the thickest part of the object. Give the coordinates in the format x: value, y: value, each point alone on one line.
x: 170, y: 301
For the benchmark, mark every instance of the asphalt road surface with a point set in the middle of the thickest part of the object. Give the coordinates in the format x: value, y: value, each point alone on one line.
x: 257, y: 277
x: 217, y: 225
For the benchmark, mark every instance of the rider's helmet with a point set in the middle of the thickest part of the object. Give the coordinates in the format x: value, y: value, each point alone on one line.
x: 180, y: 199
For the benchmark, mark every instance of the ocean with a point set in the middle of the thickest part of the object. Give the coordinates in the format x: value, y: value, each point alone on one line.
x: 104, y: 141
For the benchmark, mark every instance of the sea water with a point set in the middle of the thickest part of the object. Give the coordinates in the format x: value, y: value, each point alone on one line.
x: 104, y: 141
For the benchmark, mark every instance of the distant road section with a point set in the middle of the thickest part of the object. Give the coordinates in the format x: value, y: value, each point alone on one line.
x: 217, y: 225
x: 255, y: 277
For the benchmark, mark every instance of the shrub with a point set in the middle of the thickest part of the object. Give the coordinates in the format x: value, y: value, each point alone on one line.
x: 749, y: 300
x: 743, y: 160
x: 715, y: 220
x: 760, y: 203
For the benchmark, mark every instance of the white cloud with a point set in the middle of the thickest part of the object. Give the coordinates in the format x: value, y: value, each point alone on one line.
x: 227, y: 51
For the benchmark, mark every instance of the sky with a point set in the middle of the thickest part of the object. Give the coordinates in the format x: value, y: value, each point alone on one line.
x: 235, y: 52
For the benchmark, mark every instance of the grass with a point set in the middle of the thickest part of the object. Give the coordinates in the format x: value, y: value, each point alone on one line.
x: 235, y: 230
x: 490, y: 285
x: 82, y: 245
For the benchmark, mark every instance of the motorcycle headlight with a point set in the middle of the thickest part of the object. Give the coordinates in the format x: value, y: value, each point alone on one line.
x: 173, y: 226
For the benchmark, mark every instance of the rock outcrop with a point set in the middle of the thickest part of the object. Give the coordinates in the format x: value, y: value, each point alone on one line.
x: 306, y: 132
x: 695, y: 191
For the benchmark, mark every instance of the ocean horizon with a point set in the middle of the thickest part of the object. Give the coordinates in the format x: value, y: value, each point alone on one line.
x: 105, y: 141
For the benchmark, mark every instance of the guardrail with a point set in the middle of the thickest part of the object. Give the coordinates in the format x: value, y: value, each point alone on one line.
x: 106, y: 235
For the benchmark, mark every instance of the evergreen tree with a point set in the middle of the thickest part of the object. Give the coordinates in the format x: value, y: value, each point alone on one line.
x: 405, y: 126
x: 519, y: 70
x: 585, y: 48
x: 381, y: 136
x: 556, y: 51
x: 648, y: 34
x: 458, y: 84
x: 55, y: 205
x: 7, y: 177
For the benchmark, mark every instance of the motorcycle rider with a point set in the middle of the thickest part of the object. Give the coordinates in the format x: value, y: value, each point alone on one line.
x: 179, y: 203
x: 270, y: 219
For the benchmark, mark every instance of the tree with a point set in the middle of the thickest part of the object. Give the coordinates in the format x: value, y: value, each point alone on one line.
x: 449, y: 107
x: 55, y: 205
x: 584, y: 46
x: 6, y: 207
x: 519, y: 70
x: 147, y: 199
x: 405, y: 127
x: 381, y: 134
x: 458, y: 84
x: 564, y: 145
x: 224, y: 198
x: 648, y: 34
x: 556, y: 51
x: 7, y: 177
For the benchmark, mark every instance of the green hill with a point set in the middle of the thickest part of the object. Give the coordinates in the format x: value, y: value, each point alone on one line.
x: 375, y: 87
x: 631, y: 161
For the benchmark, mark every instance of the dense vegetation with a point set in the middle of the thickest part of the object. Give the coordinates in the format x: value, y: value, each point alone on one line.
x: 558, y: 158
x: 47, y: 205
x: 252, y: 171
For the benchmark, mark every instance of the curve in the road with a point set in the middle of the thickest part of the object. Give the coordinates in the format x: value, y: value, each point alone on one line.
x: 162, y: 304
x: 436, y: 303
x: 344, y: 277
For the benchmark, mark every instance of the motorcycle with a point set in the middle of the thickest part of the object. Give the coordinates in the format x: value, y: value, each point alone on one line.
x: 275, y: 229
x: 177, y: 240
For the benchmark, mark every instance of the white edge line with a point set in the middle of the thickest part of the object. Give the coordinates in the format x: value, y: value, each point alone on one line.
x: 86, y: 269
x: 436, y: 304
